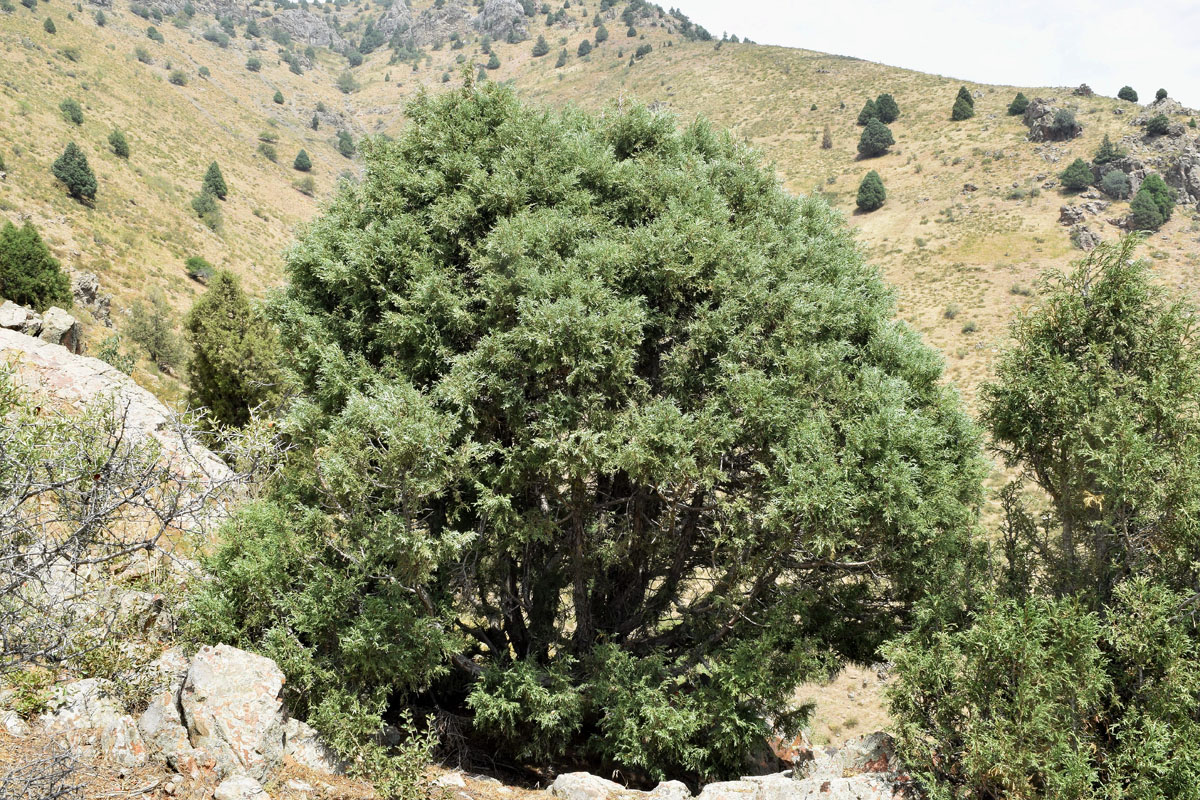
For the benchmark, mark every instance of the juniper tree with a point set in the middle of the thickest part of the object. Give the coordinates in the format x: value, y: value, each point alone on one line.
x: 965, y: 95
x: 1158, y: 125
x: 562, y: 59
x: 214, y: 182
x: 1108, y: 152
x: 585, y: 47
x: 118, y: 143
x: 875, y: 140
x: 345, y: 144
x: 1018, y: 105
x: 886, y: 108
x: 1077, y: 176
x: 870, y: 192
x: 1152, y: 205
x: 601, y: 34
x: 302, y: 163
x: 73, y: 170
x: 962, y: 109
x: 597, y: 493
x: 234, y: 367
x: 49, y: 27
x: 278, y: 98
x: 1128, y: 93
x: 29, y: 275
x: 869, y: 112
x: 541, y: 47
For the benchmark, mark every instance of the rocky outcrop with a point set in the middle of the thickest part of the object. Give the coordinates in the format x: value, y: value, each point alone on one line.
x: 1183, y: 172
x: 503, y: 20
x: 1083, y: 90
x: 55, y: 326
x: 86, y: 715
x: 1046, y: 125
x: 307, y: 27
x: 862, y: 769
x: 51, y: 370
x: 85, y: 288
x: 431, y: 25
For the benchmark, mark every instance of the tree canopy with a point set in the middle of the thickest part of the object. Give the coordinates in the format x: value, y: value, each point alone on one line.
x: 73, y: 170
x: 870, y: 192
x: 29, y: 275
x: 612, y: 426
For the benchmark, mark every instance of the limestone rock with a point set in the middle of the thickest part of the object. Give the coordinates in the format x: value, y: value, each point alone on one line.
x: 85, y: 289
x: 730, y: 790
x: 19, y: 318
x: 89, y: 719
x: 232, y: 709
x: 1040, y: 117
x: 308, y: 27
x: 59, y: 327
x: 436, y: 24
x: 583, y: 786
x: 671, y: 790
x: 161, y: 727
x: 1070, y: 215
x: 306, y: 748
x: 1084, y: 237
x: 503, y: 20
x: 12, y: 723
x: 240, y: 787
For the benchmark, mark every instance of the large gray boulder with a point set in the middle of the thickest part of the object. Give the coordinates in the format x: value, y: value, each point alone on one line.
x: 59, y: 327
x: 583, y: 786
x: 20, y: 319
x: 86, y: 714
x: 232, y: 708
x: 307, y: 27
x: 1041, y: 116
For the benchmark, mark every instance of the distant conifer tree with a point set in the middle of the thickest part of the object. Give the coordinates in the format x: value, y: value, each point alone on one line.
x: 886, y: 106
x: 869, y: 112
x: 302, y: 162
x: 870, y: 192
x: 1018, y: 105
x: 73, y: 170
x: 214, y: 182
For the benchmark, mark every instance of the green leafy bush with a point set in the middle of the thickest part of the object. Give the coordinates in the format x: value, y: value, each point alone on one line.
x: 205, y: 206
x: 1161, y: 94
x: 278, y: 97
x: 606, y: 479
x: 875, y: 140
x: 1108, y: 152
x: 1152, y: 205
x: 1018, y: 105
x: 887, y: 109
x: 345, y: 144
x: 869, y: 112
x: 198, y: 269
x: 29, y: 275
x: 71, y: 111
x: 962, y: 109
x: 214, y: 182
x: 177, y: 77
x: 585, y: 47
x: 118, y: 143
x: 254, y: 64
x: 49, y: 27
x: 1116, y: 184
x: 1127, y: 93
x: 870, y: 192
x: 1158, y: 125
x: 302, y: 163
x: 153, y: 324
x: 153, y: 34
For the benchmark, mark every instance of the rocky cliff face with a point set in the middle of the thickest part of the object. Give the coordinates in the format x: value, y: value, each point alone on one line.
x: 307, y: 27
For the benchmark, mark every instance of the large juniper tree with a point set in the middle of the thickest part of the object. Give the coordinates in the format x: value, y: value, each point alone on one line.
x: 603, y: 439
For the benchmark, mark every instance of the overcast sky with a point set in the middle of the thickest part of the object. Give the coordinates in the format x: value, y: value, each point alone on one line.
x: 1104, y: 43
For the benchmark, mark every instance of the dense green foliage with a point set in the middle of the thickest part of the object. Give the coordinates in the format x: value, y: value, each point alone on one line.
x: 598, y: 441
x: 1018, y: 105
x: 1161, y: 94
x: 118, y: 143
x: 277, y: 97
x: 199, y: 269
x: 1152, y: 205
x: 254, y: 64
x: 1064, y: 125
x: 1116, y: 184
x: 886, y: 108
x: 73, y: 170
x: 870, y: 192
x: 1077, y: 176
x: 214, y: 182
x: 1077, y: 675
x: 869, y: 112
x: 49, y: 27
x: 29, y: 275
x: 965, y: 95
x: 875, y: 140
x: 345, y: 144
x: 601, y: 34
x: 541, y: 47
x: 562, y: 59
x: 962, y: 109
x: 1107, y: 152
x: 302, y: 162
x: 71, y: 111
x: 585, y: 47
x: 234, y: 368
x: 1158, y: 125
x: 1128, y: 93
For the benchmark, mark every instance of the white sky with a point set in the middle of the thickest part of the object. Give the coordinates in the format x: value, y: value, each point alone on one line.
x: 1104, y: 43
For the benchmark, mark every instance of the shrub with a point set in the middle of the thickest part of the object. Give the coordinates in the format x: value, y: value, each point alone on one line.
x: 562, y: 59
x: 152, y: 324
x: 965, y: 95
x: 316, y: 122
x: 585, y: 47
x: 101, y: 19
x: 1064, y: 125
x: 153, y: 34
x: 218, y: 37
x: 268, y: 151
x: 875, y: 140
x: 71, y: 111
x: 254, y: 63
x: 345, y: 144
x: 204, y: 72
x: 589, y: 380
x: 118, y: 143
x: 345, y: 82
x: 1161, y: 94
x: 1077, y: 671
x: 962, y: 110
x: 1152, y: 205
x: 234, y: 368
x: 869, y: 112
x: 306, y: 185
x: 601, y: 35
x: 886, y: 108
x: 1018, y: 105
x: 29, y: 275
x: 870, y: 192
x: 631, y: 32
x: 278, y: 97
x: 1077, y: 176
x: 302, y: 163
x: 198, y: 269
x: 1116, y: 184
x: 643, y: 50
x: 1127, y: 93
x: 142, y: 55
x: 354, y: 58
x: 1158, y: 125
x: 178, y: 77
x: 214, y: 182
x: 48, y: 26
x: 1108, y: 152
x: 205, y: 206
x: 826, y: 138
x: 73, y: 170
x: 110, y: 353
x: 541, y: 47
